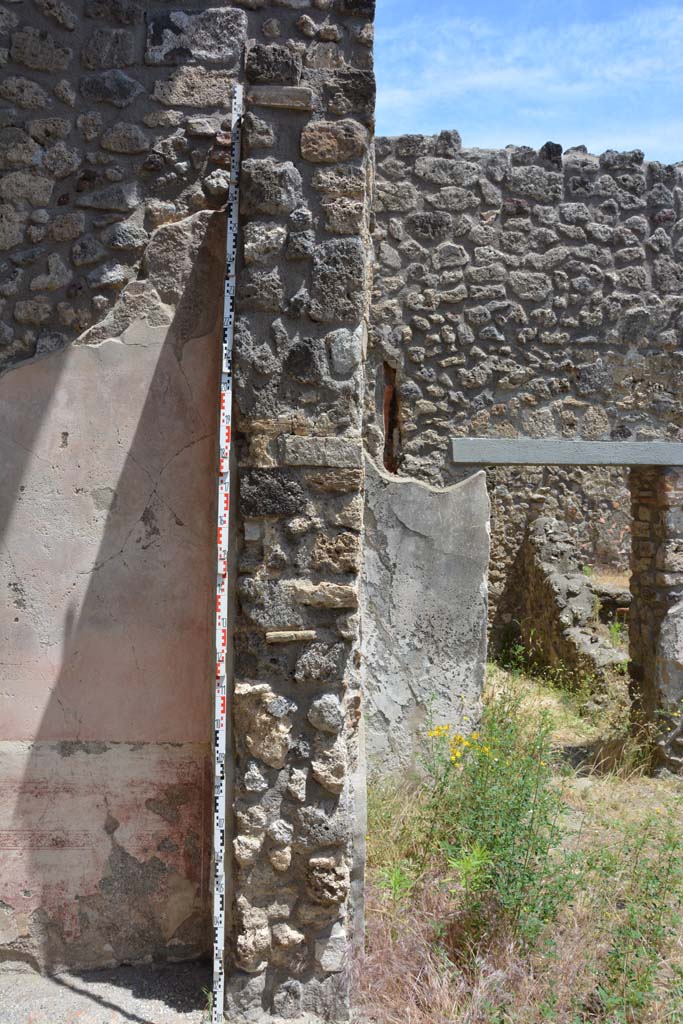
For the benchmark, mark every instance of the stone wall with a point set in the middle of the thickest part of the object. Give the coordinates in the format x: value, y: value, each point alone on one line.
x: 112, y: 123
x: 114, y: 158
x: 557, y: 613
x: 525, y: 293
x: 656, y: 622
x: 303, y: 292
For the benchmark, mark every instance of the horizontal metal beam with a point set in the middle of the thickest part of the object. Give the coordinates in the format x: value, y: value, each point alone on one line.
x: 528, y: 451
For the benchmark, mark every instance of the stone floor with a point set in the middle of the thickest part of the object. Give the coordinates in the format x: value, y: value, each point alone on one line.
x: 129, y: 995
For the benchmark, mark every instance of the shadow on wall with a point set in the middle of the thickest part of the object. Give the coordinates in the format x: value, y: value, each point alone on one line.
x: 108, y: 551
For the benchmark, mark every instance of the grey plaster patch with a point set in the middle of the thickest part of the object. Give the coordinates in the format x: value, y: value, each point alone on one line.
x: 424, y: 606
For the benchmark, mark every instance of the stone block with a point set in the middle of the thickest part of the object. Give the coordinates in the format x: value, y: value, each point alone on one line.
x: 344, y: 216
x: 124, y: 12
x: 331, y: 142
x: 346, y: 351
x: 60, y: 161
x: 338, y: 285
x: 26, y: 94
x: 273, y: 64
x: 267, y: 736
x: 326, y: 714
x: 350, y: 92
x: 347, y: 181
x: 213, y: 36
x: 22, y: 185
x: 114, y: 87
x: 270, y: 492
x: 355, y: 8
x: 339, y: 553
x: 332, y: 953
x: 125, y: 236
x: 396, y: 196
x: 195, y: 87
x: 537, y: 183
x: 261, y: 290
x: 321, y: 451
x: 123, y: 198
x: 58, y: 275
x: 33, y: 311
x: 442, y: 171
x: 337, y: 481
x: 290, y: 636
x: 263, y: 241
x: 328, y: 764
x: 324, y: 595
x: 281, y: 97
x: 124, y: 137
x: 424, y: 605
x: 17, y: 149
x: 110, y: 276
x: 530, y: 286
x: 669, y: 666
x: 270, y: 187
x: 429, y: 226
x: 12, y: 226
x: 39, y: 51
x: 109, y: 48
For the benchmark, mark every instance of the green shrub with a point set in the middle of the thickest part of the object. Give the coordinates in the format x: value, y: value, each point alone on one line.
x: 496, y: 816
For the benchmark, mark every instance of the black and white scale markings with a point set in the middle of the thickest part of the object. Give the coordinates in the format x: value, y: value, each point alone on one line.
x: 224, y: 443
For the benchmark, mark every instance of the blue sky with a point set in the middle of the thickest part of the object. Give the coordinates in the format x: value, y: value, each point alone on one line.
x: 605, y: 74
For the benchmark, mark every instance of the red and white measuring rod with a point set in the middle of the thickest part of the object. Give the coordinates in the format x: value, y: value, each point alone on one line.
x: 224, y: 444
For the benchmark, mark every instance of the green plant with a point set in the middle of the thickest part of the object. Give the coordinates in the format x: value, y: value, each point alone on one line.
x: 617, y: 633
x: 588, y: 570
x: 207, y: 992
x: 641, y: 883
x: 478, y: 913
x: 472, y: 869
x: 397, y: 880
x: 597, y: 609
x: 496, y: 815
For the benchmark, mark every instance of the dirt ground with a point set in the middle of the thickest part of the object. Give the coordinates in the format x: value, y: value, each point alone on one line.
x: 128, y: 995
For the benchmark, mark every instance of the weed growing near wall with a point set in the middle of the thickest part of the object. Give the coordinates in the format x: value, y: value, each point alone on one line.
x: 504, y: 889
x: 495, y: 816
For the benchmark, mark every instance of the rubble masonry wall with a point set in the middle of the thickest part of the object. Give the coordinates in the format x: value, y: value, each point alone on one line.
x: 524, y: 293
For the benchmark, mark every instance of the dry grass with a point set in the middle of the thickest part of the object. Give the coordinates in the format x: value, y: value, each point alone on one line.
x: 612, y: 577
x: 421, y: 966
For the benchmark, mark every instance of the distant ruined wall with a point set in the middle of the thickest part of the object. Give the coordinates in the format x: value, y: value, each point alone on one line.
x: 519, y: 293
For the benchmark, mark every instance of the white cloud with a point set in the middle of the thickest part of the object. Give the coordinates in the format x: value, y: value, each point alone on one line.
x: 620, y: 74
